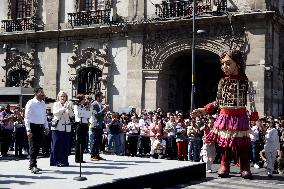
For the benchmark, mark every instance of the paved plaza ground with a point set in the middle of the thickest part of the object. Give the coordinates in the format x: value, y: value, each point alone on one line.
x: 118, y: 170
x: 259, y: 181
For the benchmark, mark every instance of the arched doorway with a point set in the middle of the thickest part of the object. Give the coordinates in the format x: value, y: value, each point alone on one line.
x: 89, y: 80
x: 175, y: 79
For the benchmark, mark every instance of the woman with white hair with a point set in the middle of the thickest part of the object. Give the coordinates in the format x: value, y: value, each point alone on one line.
x: 61, y: 131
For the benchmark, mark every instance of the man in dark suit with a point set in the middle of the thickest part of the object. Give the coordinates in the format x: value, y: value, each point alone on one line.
x: 97, y: 125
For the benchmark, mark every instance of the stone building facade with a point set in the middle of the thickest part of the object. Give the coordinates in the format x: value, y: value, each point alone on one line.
x: 138, y: 53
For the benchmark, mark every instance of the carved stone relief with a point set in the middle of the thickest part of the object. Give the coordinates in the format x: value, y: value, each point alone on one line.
x: 89, y: 57
x: 158, y: 46
x: 21, y: 61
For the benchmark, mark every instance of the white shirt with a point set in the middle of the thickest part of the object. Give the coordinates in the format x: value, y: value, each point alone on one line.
x: 159, y: 143
x: 254, y: 133
x: 35, y: 112
x: 81, y: 113
x: 144, y: 124
x: 132, y: 127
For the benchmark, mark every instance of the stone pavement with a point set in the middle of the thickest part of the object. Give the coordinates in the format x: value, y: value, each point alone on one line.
x: 122, y: 171
x: 259, y: 181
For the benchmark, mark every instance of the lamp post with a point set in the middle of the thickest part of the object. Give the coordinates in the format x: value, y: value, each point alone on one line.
x: 194, y: 32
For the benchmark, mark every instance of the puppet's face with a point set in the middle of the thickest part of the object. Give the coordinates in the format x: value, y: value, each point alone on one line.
x: 229, y: 66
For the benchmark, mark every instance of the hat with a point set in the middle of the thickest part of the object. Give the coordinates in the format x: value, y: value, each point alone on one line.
x: 254, y: 116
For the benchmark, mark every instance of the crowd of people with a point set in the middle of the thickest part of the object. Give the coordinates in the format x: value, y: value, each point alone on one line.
x: 151, y: 134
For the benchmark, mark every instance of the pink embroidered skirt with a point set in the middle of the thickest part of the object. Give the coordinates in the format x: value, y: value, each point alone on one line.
x: 231, y: 129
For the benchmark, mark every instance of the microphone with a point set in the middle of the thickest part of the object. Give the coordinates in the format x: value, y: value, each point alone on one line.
x: 74, y: 100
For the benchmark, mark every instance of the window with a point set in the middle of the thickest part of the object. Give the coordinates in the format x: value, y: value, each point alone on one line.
x: 87, y: 5
x: 89, y: 81
x: 21, y: 8
x: 18, y: 78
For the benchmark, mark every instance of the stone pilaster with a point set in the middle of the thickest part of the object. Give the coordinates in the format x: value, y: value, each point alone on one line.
x: 52, y: 14
x: 136, y: 8
x: 50, y: 67
x: 150, y: 81
x: 134, y: 72
x: 256, y: 63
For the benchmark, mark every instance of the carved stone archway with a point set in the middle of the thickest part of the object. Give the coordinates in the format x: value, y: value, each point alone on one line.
x: 86, y: 58
x: 15, y: 61
x: 159, y: 46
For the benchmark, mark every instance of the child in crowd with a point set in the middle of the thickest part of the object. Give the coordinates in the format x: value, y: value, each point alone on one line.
x: 158, y: 147
x: 192, y: 148
x: 208, y: 151
x: 180, y: 139
x: 254, y: 136
x: 271, y: 146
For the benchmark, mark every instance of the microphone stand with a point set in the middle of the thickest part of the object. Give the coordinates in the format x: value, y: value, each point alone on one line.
x: 80, y: 178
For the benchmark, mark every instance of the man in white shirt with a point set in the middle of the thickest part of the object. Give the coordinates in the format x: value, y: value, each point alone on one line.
x: 36, y: 125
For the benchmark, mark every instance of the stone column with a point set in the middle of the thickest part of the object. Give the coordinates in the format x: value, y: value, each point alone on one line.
x: 50, y: 61
x: 52, y: 14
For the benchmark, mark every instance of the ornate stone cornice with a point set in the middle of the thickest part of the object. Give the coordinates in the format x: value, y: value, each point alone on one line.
x: 89, y: 57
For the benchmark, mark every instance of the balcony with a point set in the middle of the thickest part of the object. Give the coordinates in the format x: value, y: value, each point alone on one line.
x: 184, y: 8
x: 20, y: 24
x: 88, y: 18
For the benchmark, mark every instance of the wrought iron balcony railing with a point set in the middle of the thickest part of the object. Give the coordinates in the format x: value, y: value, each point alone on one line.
x: 20, y: 24
x: 88, y: 18
x: 184, y: 8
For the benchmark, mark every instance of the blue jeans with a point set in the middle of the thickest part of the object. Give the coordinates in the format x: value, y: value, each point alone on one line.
x: 254, y: 150
x: 193, y: 150
x: 122, y: 137
x: 114, y: 143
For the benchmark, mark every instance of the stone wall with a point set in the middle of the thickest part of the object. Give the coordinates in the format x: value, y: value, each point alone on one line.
x: 117, y: 83
x: 256, y: 61
x: 3, y: 10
